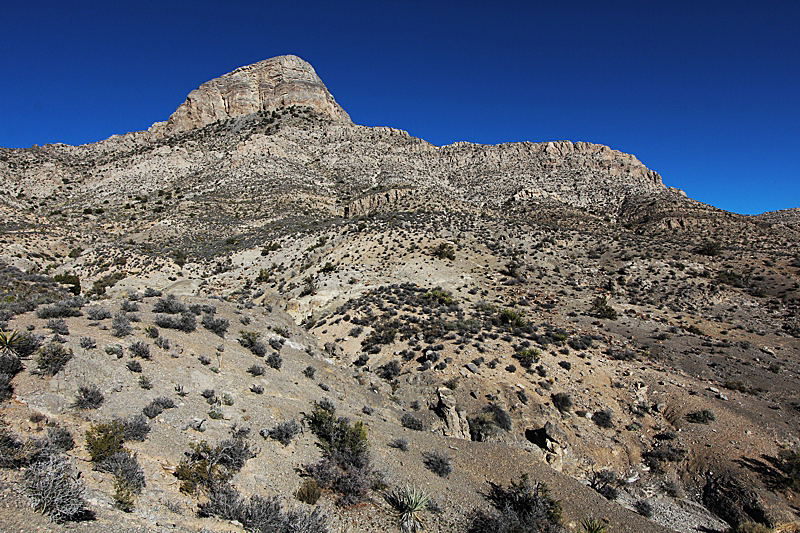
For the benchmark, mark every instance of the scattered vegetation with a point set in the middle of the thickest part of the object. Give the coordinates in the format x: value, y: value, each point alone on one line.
x: 523, y: 506
x: 54, y: 488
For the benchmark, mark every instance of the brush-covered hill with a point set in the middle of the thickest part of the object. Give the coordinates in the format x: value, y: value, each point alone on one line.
x: 258, y: 297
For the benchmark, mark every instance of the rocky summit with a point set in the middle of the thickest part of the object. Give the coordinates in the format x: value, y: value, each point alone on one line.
x: 259, y: 316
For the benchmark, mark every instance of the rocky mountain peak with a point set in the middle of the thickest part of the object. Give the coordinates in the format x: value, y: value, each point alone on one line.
x: 269, y: 84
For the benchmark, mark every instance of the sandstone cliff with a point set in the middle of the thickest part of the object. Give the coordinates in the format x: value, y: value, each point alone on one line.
x: 281, y: 81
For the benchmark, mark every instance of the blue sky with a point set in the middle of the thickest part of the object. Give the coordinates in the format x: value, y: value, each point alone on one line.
x: 705, y: 93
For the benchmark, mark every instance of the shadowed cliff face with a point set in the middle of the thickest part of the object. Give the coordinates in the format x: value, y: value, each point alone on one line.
x: 270, y: 84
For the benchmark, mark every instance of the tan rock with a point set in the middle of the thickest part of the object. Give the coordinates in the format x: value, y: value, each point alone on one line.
x: 278, y: 82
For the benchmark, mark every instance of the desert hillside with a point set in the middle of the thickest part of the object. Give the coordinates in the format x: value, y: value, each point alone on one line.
x: 259, y: 316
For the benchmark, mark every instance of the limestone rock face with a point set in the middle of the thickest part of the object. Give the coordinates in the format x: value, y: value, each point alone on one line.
x: 281, y: 81
x: 456, y: 424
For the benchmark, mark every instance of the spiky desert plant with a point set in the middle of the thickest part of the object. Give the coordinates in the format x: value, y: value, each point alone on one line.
x: 10, y: 342
x: 593, y: 525
x: 407, y: 504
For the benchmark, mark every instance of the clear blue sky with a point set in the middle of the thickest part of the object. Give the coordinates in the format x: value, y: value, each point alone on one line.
x: 705, y: 93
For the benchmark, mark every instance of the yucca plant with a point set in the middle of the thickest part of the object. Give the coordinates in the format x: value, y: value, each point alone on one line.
x: 593, y: 525
x: 408, y: 504
x: 10, y: 342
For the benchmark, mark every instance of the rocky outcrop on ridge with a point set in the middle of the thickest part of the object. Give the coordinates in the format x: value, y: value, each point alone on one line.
x: 278, y: 82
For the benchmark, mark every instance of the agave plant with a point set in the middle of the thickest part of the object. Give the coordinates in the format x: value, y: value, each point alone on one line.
x: 408, y: 504
x: 593, y: 525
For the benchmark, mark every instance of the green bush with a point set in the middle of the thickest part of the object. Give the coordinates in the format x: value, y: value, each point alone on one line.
x: 444, y: 251
x: 602, y: 309
x: 70, y: 279
x: 510, y: 317
x: 206, y: 466
x: 346, y: 464
x: 104, y: 440
x: 309, y: 491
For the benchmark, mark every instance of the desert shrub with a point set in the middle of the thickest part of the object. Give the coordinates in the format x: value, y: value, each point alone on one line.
x: 218, y: 326
x: 121, y: 325
x: 6, y: 388
x: 100, y: 285
x: 57, y: 325
x: 709, y: 248
x: 256, y: 370
x: 605, y: 482
x: 274, y: 360
x: 527, y: 357
x: 134, y: 366
x: 500, y: 416
x: 399, y: 443
x: 562, y: 401
x: 602, y: 309
x: 407, y: 505
x: 438, y: 463
x: 309, y: 372
x: 152, y: 410
x: 169, y: 305
x: 140, y: 349
x: 260, y: 514
x: 444, y: 251
x: 309, y: 491
x: 523, y: 506
x: 412, y: 422
x: 61, y: 309
x: 790, y: 466
x: 185, y: 322
x: 644, y: 508
x: 151, y: 332
x: 23, y: 345
x: 653, y: 458
x: 165, y: 402
x: 511, y: 318
x: 703, y: 416
x: 284, y: 432
x: 149, y: 292
x: 60, y: 438
x: 134, y: 428
x: 346, y: 464
x: 752, y: 527
x: 389, y: 371
x: 52, y: 358
x: 163, y: 343
x: 54, y: 489
x: 88, y: 397
x: 206, y: 466
x: 88, y: 343
x: 481, y: 427
x: 208, y: 394
x: 603, y: 418
x: 10, y: 364
x: 129, y: 306
x: 104, y: 440
x: 98, y: 313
